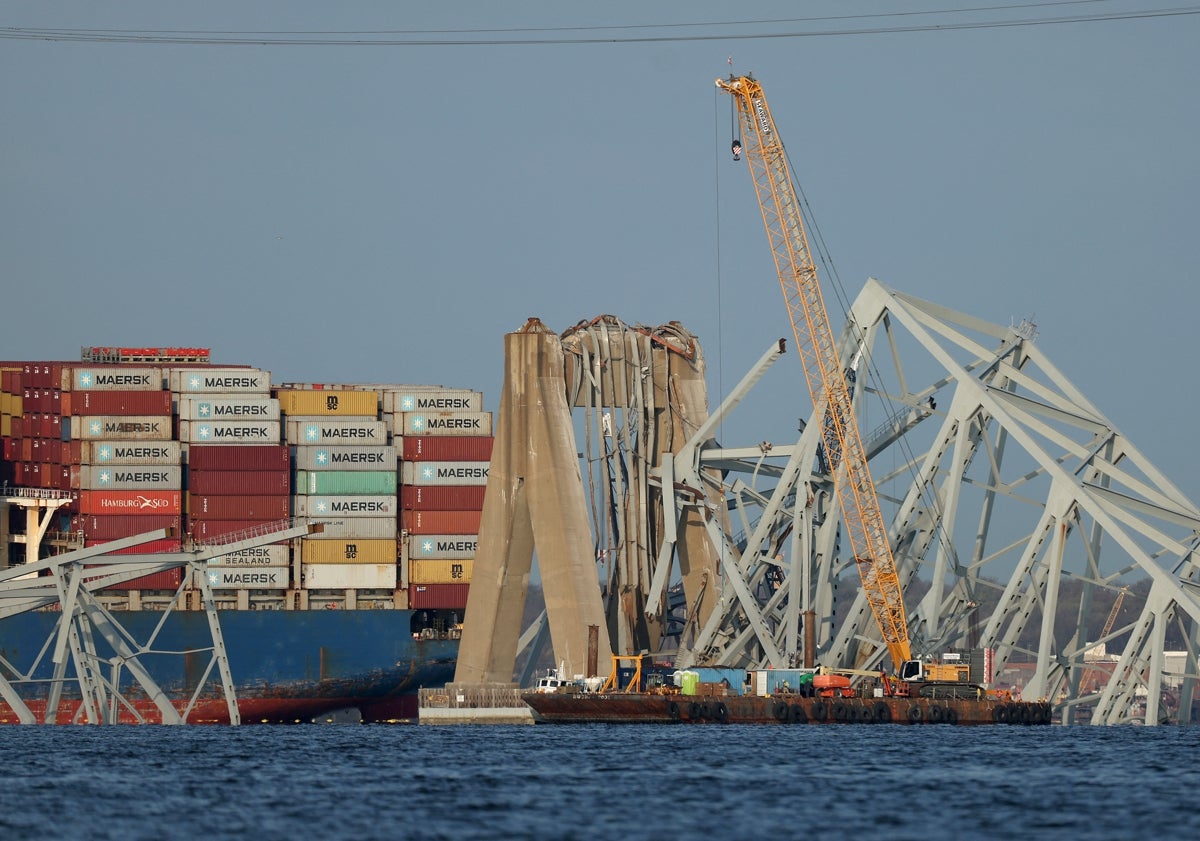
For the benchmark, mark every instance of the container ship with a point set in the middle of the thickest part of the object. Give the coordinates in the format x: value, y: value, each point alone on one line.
x: 358, y: 616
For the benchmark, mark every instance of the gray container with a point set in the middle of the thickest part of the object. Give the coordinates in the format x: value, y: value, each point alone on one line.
x: 139, y: 477
x: 125, y: 452
x: 330, y: 432
x: 114, y: 428
x: 432, y: 400
x: 229, y: 432
x: 224, y: 407
x: 319, y: 457
x: 209, y: 380
x: 435, y: 473
x: 116, y: 378
x: 441, y: 546
x: 339, y: 507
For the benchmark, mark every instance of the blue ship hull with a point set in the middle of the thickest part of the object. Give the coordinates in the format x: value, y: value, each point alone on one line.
x: 287, y: 666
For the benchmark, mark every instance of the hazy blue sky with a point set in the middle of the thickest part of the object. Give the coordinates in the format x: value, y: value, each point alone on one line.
x: 388, y: 213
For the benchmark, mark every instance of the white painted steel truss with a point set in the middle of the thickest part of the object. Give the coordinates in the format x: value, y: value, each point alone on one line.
x: 1000, y: 481
x: 67, y: 584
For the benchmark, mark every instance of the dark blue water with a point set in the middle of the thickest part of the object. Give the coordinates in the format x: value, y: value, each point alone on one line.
x: 599, y: 782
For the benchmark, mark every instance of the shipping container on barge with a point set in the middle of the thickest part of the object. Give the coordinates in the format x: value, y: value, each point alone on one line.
x: 148, y: 438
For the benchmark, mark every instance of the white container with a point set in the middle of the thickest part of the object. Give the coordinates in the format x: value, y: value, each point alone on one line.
x: 445, y: 423
x: 432, y: 400
x: 116, y: 378
x: 229, y: 432
x: 244, y: 578
x: 349, y: 576
x: 273, y: 555
x: 435, y: 546
x: 130, y: 452
x: 435, y: 473
x: 207, y: 380
x: 346, y: 433
x: 339, y: 507
x: 320, y: 457
x: 139, y: 477
x: 223, y: 407
x: 355, y: 528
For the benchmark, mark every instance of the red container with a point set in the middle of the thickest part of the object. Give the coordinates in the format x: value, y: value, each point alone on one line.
x: 131, y: 502
x: 152, y: 547
x: 203, y: 530
x: 168, y: 580
x: 447, y: 448
x: 46, y: 450
x: 12, y: 449
x: 239, y: 482
x: 447, y: 498
x: 203, y: 507
x: 239, y: 457
x: 98, y: 527
x: 440, y: 522
x: 438, y: 596
x: 120, y: 403
x: 18, y: 426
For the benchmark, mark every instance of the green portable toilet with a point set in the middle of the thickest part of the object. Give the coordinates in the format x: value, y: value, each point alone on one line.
x: 688, y: 681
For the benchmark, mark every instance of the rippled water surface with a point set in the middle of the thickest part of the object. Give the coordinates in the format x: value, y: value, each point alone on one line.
x: 602, y: 782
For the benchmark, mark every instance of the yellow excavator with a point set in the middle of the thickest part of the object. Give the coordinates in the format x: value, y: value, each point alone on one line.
x: 842, y: 445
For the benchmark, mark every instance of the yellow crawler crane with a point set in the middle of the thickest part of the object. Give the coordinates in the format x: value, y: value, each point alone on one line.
x: 843, y: 447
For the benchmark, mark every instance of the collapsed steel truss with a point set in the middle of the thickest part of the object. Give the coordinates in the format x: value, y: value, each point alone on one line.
x: 1000, y: 481
x: 68, y: 584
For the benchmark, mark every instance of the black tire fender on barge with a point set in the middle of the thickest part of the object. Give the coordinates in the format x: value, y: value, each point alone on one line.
x: 883, y: 713
x: 721, y: 712
x: 796, y: 715
x: 818, y: 710
x: 694, y: 711
x: 936, y: 714
x: 915, y: 714
x: 950, y: 715
x: 1000, y: 714
x: 780, y: 711
x: 673, y: 711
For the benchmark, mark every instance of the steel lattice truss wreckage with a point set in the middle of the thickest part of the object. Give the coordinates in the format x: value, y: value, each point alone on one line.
x: 998, y: 479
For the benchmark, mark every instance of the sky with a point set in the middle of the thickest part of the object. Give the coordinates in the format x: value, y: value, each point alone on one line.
x: 386, y: 212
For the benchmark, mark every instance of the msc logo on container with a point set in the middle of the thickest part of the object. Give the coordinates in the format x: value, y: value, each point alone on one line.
x: 331, y: 402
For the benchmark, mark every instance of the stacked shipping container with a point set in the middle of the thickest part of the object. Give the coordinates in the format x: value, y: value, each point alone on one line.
x: 395, y: 473
x: 345, y: 478
x: 445, y: 445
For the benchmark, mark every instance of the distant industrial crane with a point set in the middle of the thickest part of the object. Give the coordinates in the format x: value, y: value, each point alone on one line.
x: 1112, y: 614
x: 827, y: 382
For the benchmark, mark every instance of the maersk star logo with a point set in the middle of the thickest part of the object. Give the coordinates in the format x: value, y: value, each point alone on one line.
x: 104, y: 454
x: 214, y: 577
x: 204, y: 410
x: 417, y: 423
x: 426, y: 547
x: 322, y: 506
x: 85, y: 379
x: 204, y: 432
x: 321, y: 457
x: 408, y: 403
x: 427, y: 473
x: 312, y: 432
x: 194, y: 383
x: 105, y: 477
x: 94, y: 428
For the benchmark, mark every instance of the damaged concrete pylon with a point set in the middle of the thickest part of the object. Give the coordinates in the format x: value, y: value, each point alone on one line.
x: 534, y: 500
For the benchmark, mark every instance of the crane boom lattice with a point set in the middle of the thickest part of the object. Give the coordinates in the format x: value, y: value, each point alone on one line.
x: 816, y: 345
